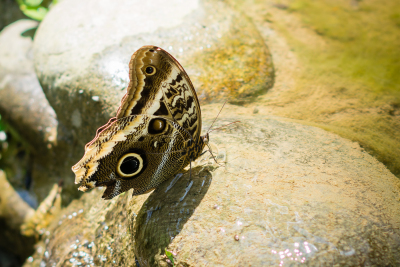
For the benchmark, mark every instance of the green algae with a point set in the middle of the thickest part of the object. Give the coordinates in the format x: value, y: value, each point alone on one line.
x: 238, y: 69
x: 347, y: 80
x: 361, y: 60
x: 363, y: 39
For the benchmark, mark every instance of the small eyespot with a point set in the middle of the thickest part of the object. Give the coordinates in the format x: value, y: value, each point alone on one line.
x: 150, y: 70
x: 157, y: 126
x: 151, y: 50
x: 129, y: 165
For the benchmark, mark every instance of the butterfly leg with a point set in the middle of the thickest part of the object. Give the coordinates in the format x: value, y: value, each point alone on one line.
x: 210, y: 150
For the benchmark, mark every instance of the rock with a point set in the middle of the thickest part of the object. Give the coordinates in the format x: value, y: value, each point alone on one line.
x: 23, y: 101
x: 24, y: 106
x: 82, y: 63
x: 90, y: 231
x: 285, y: 194
x: 13, y: 213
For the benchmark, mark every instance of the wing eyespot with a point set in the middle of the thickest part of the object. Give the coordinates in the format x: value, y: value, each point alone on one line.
x: 129, y: 165
x: 157, y: 126
x: 150, y: 70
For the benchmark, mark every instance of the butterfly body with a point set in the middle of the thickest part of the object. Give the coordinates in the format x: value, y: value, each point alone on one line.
x: 154, y: 135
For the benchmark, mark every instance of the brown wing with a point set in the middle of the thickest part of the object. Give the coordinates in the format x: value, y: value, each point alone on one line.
x: 168, y: 92
x: 131, y: 150
x: 158, y: 156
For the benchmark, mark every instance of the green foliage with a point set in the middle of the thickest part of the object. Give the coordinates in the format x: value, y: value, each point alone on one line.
x: 14, y: 154
x: 2, y: 125
x: 170, y: 257
x: 35, y: 9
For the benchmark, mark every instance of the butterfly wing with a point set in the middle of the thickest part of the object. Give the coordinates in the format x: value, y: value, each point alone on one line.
x: 126, y: 155
x: 168, y: 92
x: 146, y: 142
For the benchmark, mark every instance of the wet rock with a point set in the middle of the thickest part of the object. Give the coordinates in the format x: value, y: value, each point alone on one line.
x: 285, y: 194
x: 91, y: 232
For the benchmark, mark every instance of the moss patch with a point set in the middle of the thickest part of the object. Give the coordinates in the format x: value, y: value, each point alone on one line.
x: 363, y: 39
x: 347, y: 75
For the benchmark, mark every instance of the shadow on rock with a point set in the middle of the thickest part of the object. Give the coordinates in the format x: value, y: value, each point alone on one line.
x: 164, y: 214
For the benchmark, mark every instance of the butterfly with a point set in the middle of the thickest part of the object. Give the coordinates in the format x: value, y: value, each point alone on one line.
x: 155, y: 134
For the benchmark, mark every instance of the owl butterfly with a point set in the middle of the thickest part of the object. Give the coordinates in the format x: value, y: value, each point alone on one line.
x: 154, y: 135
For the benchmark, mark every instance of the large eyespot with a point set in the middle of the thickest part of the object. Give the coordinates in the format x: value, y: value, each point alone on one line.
x: 130, y: 165
x: 157, y: 126
x: 150, y: 70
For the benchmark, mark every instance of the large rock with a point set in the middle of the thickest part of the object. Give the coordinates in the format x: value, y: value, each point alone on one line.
x: 286, y: 194
x: 82, y: 51
x: 82, y: 65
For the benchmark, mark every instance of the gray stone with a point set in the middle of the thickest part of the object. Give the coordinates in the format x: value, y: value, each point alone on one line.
x: 286, y: 194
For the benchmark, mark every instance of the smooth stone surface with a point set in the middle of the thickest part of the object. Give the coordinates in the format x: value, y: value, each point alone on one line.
x: 82, y: 51
x: 286, y: 194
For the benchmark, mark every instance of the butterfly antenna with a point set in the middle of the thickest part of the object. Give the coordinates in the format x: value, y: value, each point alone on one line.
x: 223, y: 126
x: 217, y: 116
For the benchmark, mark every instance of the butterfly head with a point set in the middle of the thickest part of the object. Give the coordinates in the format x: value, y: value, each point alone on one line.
x: 206, y: 138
